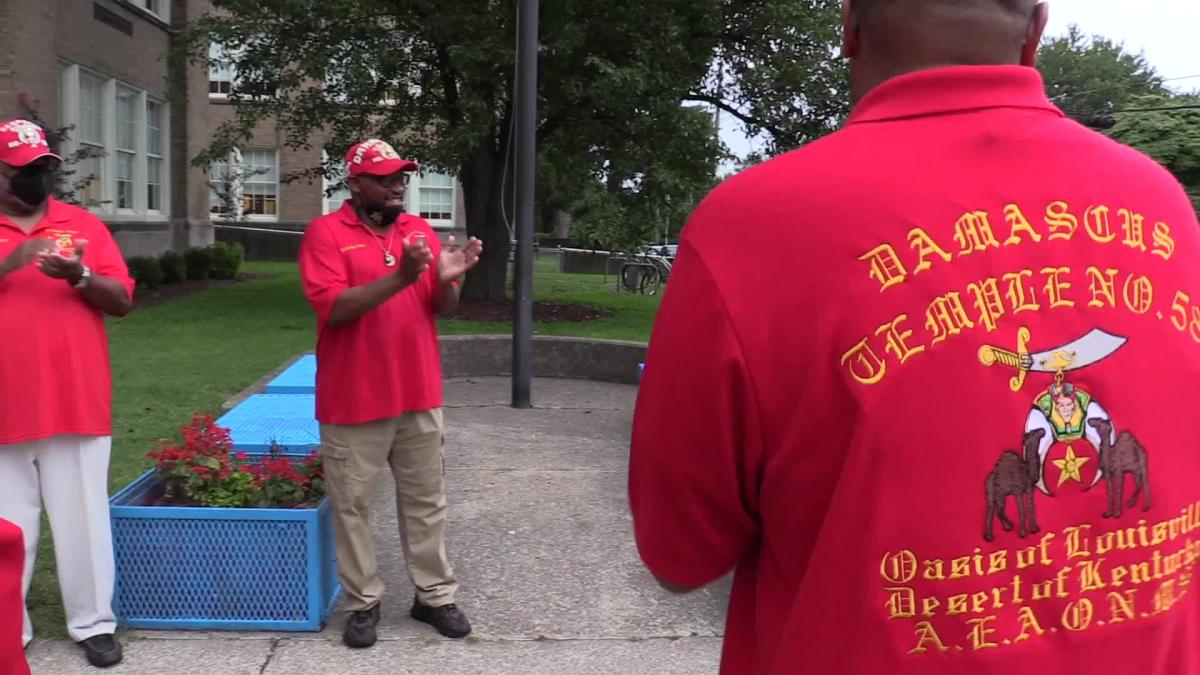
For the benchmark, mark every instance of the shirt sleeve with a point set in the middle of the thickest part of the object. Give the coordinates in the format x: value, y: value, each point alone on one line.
x: 322, y: 270
x: 104, y: 257
x: 696, y: 447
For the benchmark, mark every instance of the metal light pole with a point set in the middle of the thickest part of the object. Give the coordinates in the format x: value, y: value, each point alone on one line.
x: 525, y: 160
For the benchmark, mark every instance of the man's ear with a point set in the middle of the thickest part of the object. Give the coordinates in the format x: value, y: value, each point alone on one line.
x: 1033, y: 34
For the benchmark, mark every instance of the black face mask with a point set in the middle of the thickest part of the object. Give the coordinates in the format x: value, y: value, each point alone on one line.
x: 32, y: 184
x: 381, y: 216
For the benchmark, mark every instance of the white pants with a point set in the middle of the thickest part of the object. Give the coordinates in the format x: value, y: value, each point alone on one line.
x: 70, y: 475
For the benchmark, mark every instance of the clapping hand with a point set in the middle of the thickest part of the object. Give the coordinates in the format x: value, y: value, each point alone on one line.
x: 456, y: 261
x: 414, y: 259
x: 58, y: 266
x: 27, y: 252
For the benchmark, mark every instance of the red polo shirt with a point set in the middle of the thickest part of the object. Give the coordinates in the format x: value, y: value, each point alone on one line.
x: 387, y: 362
x: 54, y: 370
x: 843, y: 414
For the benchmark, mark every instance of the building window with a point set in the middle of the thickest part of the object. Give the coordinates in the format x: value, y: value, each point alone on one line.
x: 262, y: 182
x: 222, y: 196
x: 124, y: 130
x: 220, y: 71
x: 91, y: 136
x: 334, y: 188
x: 154, y: 156
x: 246, y: 184
x: 127, y: 100
x: 436, y: 197
x: 159, y: 8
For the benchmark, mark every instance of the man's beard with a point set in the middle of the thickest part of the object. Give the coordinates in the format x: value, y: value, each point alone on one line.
x: 381, y: 216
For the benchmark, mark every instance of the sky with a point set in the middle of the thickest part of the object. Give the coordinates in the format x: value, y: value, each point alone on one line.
x: 1165, y: 30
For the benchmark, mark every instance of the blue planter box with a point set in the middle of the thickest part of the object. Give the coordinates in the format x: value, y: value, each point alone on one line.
x: 287, y: 419
x: 190, y: 568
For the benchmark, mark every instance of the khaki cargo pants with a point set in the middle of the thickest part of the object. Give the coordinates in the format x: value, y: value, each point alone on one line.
x: 353, y: 457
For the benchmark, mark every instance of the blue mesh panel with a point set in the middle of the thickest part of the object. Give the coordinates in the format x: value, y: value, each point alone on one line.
x: 225, y: 570
x: 286, y: 419
x: 298, y: 378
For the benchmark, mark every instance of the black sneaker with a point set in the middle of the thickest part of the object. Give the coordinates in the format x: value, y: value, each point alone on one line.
x: 447, y: 619
x: 102, y: 651
x: 360, y: 628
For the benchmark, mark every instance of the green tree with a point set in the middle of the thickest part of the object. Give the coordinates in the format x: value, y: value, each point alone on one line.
x: 646, y: 193
x: 1168, y: 129
x: 437, y: 77
x: 776, y: 70
x: 1094, y: 76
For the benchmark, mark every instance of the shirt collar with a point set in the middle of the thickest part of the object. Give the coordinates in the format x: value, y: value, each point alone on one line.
x: 57, y: 212
x: 346, y: 214
x: 954, y: 89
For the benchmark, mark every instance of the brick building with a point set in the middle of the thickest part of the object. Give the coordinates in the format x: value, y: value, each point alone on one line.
x: 102, y: 67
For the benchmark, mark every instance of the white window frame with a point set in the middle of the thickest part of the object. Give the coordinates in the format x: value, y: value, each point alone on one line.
x: 163, y: 143
x: 413, y: 197
x: 234, y: 159
x: 70, y: 112
x: 278, y: 196
x: 333, y: 202
x: 222, y: 56
x: 134, y: 153
x: 159, y: 9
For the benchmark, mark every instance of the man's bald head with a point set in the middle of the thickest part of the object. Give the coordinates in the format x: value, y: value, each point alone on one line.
x: 885, y: 38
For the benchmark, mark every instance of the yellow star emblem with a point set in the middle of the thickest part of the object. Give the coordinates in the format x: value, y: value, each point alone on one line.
x: 1069, y: 467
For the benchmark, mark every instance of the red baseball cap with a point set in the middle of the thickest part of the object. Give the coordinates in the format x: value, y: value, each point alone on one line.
x: 22, y: 142
x: 376, y: 158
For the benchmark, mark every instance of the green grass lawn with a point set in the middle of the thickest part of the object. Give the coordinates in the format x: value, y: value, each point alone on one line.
x: 191, y: 354
x: 631, y: 319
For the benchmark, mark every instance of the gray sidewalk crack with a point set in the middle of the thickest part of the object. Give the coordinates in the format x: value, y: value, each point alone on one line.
x: 270, y: 656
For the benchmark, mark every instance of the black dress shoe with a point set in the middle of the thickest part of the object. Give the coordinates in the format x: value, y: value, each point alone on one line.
x: 447, y: 619
x: 360, y: 628
x: 102, y: 651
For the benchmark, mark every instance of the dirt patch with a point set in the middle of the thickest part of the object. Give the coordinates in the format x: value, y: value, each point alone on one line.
x: 544, y: 311
x: 143, y: 298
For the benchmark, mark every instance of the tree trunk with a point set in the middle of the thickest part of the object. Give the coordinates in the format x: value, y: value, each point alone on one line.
x: 560, y: 222
x: 481, y: 177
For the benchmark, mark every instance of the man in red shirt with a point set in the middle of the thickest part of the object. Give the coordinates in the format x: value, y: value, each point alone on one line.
x: 376, y: 278
x: 60, y: 272
x: 894, y: 434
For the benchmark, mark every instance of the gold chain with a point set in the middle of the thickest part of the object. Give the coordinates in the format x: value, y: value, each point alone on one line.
x: 388, y: 258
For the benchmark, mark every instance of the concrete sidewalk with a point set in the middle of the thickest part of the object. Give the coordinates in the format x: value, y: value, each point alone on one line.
x: 540, y: 538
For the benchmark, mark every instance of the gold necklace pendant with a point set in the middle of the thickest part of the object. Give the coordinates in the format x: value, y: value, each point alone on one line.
x: 389, y: 259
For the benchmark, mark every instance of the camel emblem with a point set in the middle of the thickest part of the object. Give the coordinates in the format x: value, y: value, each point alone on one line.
x: 1014, y: 475
x: 1125, y: 456
x: 1065, y: 416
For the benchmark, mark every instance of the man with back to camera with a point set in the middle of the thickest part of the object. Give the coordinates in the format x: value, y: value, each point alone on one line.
x: 894, y: 442
x: 60, y: 273
x: 377, y: 277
